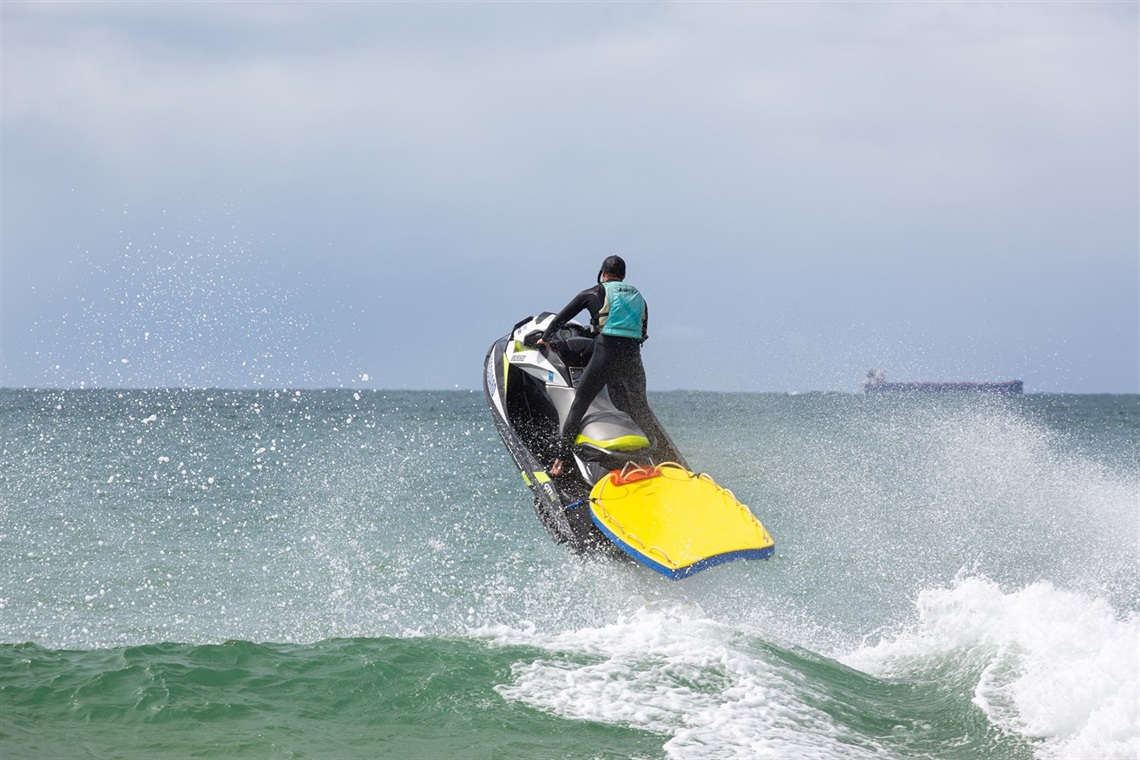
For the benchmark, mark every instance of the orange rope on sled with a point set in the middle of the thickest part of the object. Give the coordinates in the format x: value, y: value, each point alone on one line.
x: 631, y: 473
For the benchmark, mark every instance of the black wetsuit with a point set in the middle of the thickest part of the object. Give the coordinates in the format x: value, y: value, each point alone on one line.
x: 615, y: 363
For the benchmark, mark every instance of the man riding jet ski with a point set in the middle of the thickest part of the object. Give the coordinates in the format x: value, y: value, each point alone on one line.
x: 574, y: 396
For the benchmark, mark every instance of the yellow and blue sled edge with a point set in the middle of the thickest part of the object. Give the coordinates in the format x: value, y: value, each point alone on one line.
x: 682, y: 572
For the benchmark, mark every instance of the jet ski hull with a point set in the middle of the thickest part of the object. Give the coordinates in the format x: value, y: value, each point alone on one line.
x: 552, y: 500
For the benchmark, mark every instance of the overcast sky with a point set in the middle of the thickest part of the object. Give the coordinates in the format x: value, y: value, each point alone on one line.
x: 369, y: 194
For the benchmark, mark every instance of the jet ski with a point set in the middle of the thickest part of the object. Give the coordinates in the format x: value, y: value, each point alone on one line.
x: 623, y: 486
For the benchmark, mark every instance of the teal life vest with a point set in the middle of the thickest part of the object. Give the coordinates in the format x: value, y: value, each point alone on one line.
x: 623, y: 313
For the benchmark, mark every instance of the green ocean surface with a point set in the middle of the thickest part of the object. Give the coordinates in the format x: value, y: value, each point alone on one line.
x: 343, y: 574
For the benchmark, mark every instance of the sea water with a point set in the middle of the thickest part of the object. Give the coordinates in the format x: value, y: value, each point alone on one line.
x: 360, y: 574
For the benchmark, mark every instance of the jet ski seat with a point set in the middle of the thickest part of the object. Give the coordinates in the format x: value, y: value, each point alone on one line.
x: 605, y: 428
x: 609, y: 429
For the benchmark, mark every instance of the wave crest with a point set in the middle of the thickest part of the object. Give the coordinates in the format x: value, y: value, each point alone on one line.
x: 1058, y: 668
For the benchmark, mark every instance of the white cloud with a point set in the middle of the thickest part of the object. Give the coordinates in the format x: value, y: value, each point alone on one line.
x: 863, y: 146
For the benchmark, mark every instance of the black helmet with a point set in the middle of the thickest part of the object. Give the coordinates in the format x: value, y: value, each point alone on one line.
x: 614, y: 265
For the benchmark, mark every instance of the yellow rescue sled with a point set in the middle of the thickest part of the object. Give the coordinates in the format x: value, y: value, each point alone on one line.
x: 675, y: 521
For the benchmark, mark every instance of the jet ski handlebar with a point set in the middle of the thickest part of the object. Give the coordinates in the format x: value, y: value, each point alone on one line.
x: 532, y: 339
x: 557, y: 345
x: 572, y: 338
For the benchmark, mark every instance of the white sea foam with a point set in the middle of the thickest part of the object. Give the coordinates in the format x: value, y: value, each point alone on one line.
x: 682, y: 676
x: 1059, y: 668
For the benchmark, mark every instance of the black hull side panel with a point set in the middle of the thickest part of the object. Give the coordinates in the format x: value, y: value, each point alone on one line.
x: 551, y: 498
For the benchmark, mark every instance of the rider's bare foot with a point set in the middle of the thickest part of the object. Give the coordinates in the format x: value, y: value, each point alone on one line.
x: 556, y: 468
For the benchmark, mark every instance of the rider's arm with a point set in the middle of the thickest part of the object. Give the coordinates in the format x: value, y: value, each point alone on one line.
x: 581, y: 301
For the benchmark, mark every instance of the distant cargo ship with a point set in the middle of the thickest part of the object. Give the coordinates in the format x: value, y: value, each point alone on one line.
x: 876, y: 382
